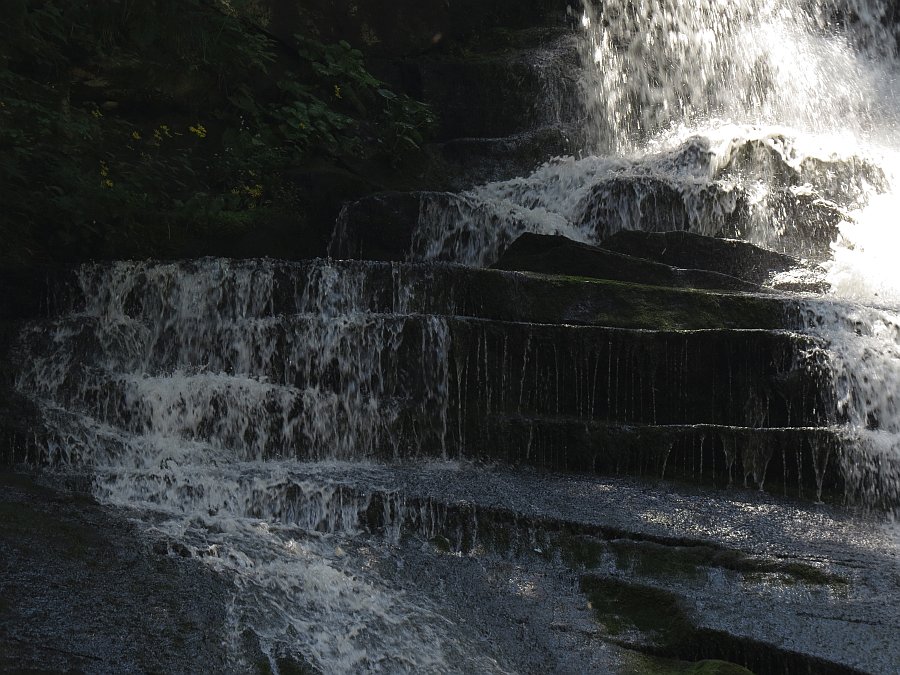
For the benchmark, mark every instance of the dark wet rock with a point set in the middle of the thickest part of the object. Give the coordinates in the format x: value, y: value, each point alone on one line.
x: 796, y: 222
x: 654, y: 204
x: 762, y: 160
x: 501, y: 95
x: 633, y: 203
x: 543, y: 299
x: 799, y: 463
x: 35, y: 291
x: 845, y: 180
x: 399, y: 225
x: 732, y: 257
x: 21, y: 428
x: 379, y: 227
x: 634, y: 377
x: 481, y: 160
x: 21, y: 424
x: 559, y: 255
x: 82, y: 591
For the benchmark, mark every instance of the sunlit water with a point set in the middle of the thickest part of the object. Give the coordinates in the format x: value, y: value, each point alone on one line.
x: 232, y: 404
x: 772, y: 121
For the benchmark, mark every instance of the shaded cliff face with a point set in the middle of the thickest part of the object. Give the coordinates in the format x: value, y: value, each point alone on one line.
x: 179, y: 129
x: 210, y: 128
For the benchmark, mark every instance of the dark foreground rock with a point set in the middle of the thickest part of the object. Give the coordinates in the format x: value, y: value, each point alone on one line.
x: 82, y: 591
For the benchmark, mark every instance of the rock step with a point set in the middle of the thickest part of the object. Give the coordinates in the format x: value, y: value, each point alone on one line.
x: 795, y: 462
x: 554, y: 254
x: 626, y: 539
x: 687, y: 250
x: 799, y: 463
x: 733, y: 377
x: 227, y: 291
x: 725, y: 376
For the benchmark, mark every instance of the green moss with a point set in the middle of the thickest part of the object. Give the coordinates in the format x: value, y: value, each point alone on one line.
x: 812, y: 575
x: 630, y: 305
x: 752, y: 567
x: 581, y: 551
x: 441, y: 543
x: 622, y: 607
x: 656, y: 560
x: 660, y: 561
x: 643, y: 664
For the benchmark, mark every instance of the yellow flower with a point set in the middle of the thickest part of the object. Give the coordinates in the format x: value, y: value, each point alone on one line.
x: 104, y: 169
x: 337, y: 92
x: 254, y: 191
x: 136, y: 135
x: 199, y: 131
x: 96, y: 113
x: 108, y: 183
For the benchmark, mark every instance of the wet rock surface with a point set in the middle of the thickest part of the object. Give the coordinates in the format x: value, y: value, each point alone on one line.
x: 687, y: 250
x: 480, y: 160
x: 558, y: 255
x: 83, y: 590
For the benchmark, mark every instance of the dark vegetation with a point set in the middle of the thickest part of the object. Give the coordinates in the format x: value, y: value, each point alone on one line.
x: 180, y: 127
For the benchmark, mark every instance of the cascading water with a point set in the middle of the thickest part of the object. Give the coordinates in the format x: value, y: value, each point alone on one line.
x: 194, y: 390
x: 251, y: 412
x: 773, y: 121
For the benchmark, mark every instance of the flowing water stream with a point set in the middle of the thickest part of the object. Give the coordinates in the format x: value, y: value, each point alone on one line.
x: 269, y: 418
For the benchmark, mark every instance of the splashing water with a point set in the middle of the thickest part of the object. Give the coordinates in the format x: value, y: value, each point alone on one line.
x: 773, y: 121
x: 677, y: 100
x: 658, y: 65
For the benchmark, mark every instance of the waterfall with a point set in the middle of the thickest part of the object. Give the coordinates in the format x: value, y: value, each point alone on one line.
x: 263, y: 416
x: 663, y: 66
x: 772, y: 121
